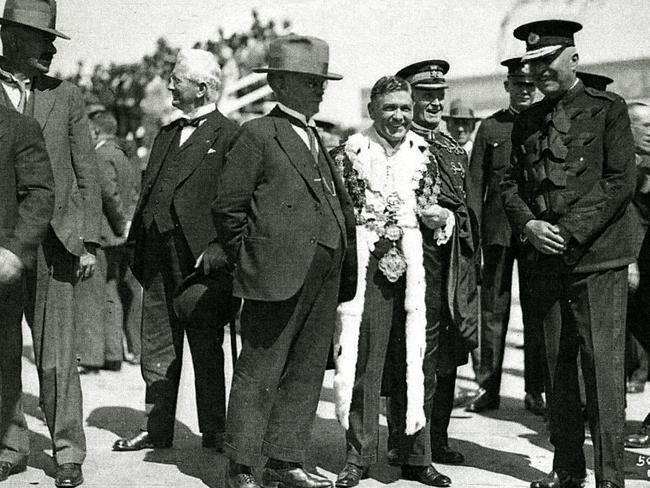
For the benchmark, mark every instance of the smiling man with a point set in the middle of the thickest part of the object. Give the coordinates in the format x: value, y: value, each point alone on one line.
x: 571, y: 177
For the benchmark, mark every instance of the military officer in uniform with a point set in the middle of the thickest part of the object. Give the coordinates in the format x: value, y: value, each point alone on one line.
x: 566, y: 192
x: 488, y: 162
x: 451, y: 295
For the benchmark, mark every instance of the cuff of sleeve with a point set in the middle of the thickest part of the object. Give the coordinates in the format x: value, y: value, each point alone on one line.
x: 566, y: 235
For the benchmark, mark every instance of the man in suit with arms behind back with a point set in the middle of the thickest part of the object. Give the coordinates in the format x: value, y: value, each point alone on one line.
x: 287, y: 225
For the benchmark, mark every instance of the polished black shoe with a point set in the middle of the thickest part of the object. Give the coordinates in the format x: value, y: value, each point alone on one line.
x: 607, y: 484
x: 211, y: 440
x: 558, y: 480
x: 639, y: 440
x: 68, y: 475
x: 393, y: 457
x: 294, y: 477
x: 534, y: 403
x: 427, y: 475
x: 446, y: 455
x: 139, y: 442
x: 7, y: 469
x: 242, y: 480
x: 350, y: 476
x: 483, y: 401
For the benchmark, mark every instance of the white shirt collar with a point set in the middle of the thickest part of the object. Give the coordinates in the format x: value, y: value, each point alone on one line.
x: 297, y: 115
x: 201, y: 111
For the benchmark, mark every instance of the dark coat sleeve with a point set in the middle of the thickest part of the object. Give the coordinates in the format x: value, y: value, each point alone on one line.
x: 609, y: 196
x: 240, y: 177
x: 476, y: 180
x: 84, y: 164
x: 35, y: 191
x: 112, y: 205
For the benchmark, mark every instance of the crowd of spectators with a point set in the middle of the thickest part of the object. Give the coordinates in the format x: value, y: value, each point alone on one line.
x: 137, y: 94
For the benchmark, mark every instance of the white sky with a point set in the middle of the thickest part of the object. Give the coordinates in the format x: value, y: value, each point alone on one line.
x: 368, y: 38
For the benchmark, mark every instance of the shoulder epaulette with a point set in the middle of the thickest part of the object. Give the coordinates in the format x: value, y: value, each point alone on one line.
x: 601, y: 94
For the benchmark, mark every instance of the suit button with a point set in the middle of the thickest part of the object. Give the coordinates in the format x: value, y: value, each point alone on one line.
x: 312, y: 240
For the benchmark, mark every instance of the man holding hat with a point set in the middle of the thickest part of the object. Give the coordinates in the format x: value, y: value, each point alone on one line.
x: 172, y: 232
x: 67, y: 253
x: 565, y: 194
x: 450, y: 276
x: 489, y: 160
x: 287, y: 224
x: 461, y: 123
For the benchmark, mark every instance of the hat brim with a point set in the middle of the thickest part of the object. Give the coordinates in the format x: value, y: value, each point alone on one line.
x: 541, y: 52
x: 430, y: 86
x: 42, y: 29
x: 328, y: 76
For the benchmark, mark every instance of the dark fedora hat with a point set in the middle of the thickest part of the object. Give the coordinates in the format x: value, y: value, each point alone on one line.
x: 460, y: 110
x: 36, y: 14
x: 202, y: 299
x: 299, y: 54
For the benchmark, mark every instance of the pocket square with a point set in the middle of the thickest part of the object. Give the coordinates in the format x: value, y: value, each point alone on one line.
x: 211, y: 151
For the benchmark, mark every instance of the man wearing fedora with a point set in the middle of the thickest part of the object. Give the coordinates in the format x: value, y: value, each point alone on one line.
x: 571, y: 177
x: 490, y: 157
x: 66, y: 255
x: 461, y: 123
x: 171, y: 235
x: 27, y: 189
x: 287, y: 225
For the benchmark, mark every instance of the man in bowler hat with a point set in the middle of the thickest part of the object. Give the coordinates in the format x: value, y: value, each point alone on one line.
x: 287, y: 225
x: 571, y: 177
x: 27, y: 189
x: 490, y: 157
x: 171, y: 232
x: 67, y: 253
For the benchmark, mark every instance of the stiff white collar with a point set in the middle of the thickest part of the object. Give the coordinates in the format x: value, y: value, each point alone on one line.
x: 297, y: 115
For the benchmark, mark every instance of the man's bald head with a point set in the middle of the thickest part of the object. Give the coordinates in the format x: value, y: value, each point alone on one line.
x: 640, y: 124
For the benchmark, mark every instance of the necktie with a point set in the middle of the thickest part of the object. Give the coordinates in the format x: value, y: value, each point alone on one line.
x: 313, y: 143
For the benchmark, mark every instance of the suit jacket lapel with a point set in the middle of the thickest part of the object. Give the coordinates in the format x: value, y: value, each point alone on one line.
x: 158, y: 153
x: 198, y: 145
x: 296, y: 151
x: 43, y: 103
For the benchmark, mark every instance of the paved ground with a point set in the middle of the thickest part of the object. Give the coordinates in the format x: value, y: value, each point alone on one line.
x: 507, y: 448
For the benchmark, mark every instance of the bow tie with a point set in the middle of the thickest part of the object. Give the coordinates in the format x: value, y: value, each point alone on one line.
x: 183, y: 122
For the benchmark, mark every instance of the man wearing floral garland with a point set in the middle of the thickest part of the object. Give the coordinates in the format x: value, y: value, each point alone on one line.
x: 451, y: 290
x: 387, y: 172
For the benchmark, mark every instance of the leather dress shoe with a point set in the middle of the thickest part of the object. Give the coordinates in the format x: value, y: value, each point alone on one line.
x: 446, y: 455
x: 393, y: 457
x: 68, y: 475
x: 639, y: 440
x: 534, y: 402
x: 139, y: 442
x: 427, y: 475
x: 294, y: 477
x: 607, y: 484
x: 483, y: 401
x: 7, y: 469
x: 350, y: 476
x: 559, y: 479
x: 635, y: 387
x: 242, y: 480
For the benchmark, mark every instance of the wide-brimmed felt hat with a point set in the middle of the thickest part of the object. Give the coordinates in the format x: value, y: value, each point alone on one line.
x: 427, y: 75
x: 36, y: 14
x: 592, y: 80
x: 299, y: 54
x: 460, y: 110
x: 546, y: 37
x: 202, y: 299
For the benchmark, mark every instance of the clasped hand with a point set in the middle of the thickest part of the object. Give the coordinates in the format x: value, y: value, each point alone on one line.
x: 545, y: 237
x: 435, y: 216
x: 212, y: 259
